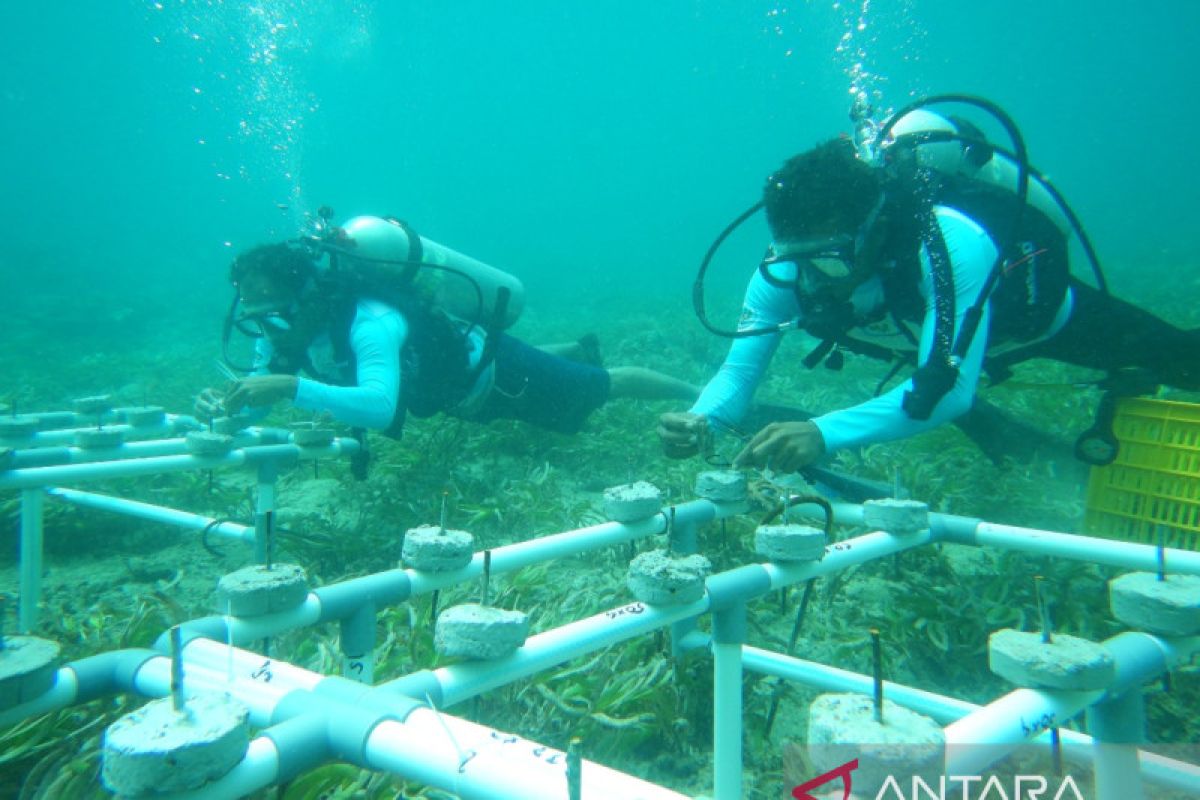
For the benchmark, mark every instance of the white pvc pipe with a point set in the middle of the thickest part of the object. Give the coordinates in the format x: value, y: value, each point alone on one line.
x: 843, y: 554
x: 1117, y: 772
x: 44, y: 457
x: 1078, y: 547
x: 32, y: 528
x: 510, y: 558
x: 985, y: 736
x: 99, y: 470
x: 1163, y: 771
x: 60, y: 695
x: 153, y: 513
x: 360, y: 668
x: 479, y: 763
x: 465, y: 680
x: 274, y: 675
x: 259, y: 696
x: 72, y: 473
x: 248, y: 629
x: 727, y: 721
x: 504, y: 559
x: 434, y: 748
x: 128, y: 450
x: 66, y: 436
x: 1111, y: 552
x: 258, y: 769
x: 1155, y: 769
x: 559, y: 545
x: 831, y: 679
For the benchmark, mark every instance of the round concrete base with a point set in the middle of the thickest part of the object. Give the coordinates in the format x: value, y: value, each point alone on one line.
x: 1170, y: 607
x: 722, y: 486
x: 479, y: 632
x: 254, y: 591
x: 434, y: 549
x: 1065, y: 662
x: 99, y: 438
x: 842, y: 727
x: 789, y: 542
x: 208, y: 444
x: 157, y: 750
x: 632, y: 501
x: 27, y: 669
x: 659, y: 579
x: 896, y: 516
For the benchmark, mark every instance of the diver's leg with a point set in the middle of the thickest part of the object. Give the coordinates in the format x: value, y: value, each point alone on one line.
x: 1000, y: 436
x: 647, y: 384
x: 568, y: 350
x: 585, y: 350
x: 1107, y: 333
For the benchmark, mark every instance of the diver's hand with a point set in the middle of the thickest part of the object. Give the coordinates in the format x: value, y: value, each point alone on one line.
x: 682, y: 433
x: 783, y: 446
x: 210, y: 403
x: 260, y: 390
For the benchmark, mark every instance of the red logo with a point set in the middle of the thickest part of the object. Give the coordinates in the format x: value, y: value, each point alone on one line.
x: 843, y: 772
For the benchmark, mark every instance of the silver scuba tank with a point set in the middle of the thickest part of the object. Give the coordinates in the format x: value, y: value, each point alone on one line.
x: 463, y: 286
x: 950, y: 157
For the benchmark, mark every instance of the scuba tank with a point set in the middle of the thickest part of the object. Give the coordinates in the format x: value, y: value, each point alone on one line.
x: 383, y: 257
x: 386, y: 248
x: 955, y: 149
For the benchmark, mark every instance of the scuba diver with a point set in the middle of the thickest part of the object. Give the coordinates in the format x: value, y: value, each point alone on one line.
x: 348, y: 307
x: 924, y: 221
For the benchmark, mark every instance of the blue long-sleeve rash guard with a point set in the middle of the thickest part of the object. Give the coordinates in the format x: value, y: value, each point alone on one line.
x: 377, y: 334
x: 727, y: 397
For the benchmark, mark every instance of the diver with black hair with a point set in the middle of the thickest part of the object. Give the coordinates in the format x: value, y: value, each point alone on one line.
x: 360, y: 339
x: 978, y: 263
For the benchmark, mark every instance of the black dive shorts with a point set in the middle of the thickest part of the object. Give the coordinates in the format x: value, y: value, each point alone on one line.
x: 542, y: 389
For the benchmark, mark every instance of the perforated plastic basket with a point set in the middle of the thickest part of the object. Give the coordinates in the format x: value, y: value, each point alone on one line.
x: 1154, y: 485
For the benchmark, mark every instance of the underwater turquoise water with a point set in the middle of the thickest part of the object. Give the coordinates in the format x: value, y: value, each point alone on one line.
x: 590, y: 146
x: 593, y: 148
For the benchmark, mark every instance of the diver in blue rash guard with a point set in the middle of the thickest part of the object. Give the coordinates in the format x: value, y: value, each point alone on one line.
x: 370, y: 362
x: 842, y: 258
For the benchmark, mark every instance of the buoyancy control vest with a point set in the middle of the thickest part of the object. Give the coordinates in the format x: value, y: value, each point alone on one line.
x: 969, y: 175
x: 435, y: 373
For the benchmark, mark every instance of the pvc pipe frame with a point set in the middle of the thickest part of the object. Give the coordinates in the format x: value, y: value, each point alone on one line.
x: 170, y: 424
x: 976, y: 730
x: 465, y: 680
x: 154, y: 513
x: 32, y: 480
x: 57, y: 456
x: 248, y: 456
x: 471, y: 760
x: 399, y: 585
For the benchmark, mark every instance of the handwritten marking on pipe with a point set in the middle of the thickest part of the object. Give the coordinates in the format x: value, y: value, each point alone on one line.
x: 263, y: 673
x: 632, y: 608
x: 539, y: 751
x: 1043, y: 723
x: 838, y: 547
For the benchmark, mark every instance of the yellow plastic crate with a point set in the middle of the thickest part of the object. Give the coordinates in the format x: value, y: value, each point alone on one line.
x: 1155, y: 482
